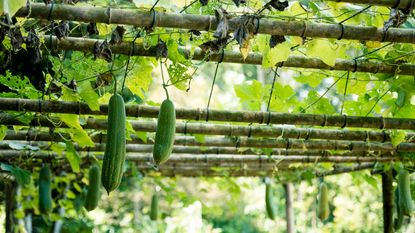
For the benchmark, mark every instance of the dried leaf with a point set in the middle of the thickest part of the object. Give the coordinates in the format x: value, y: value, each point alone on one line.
x: 117, y: 35
x: 275, y: 40
x: 161, y: 49
x: 239, y: 2
x: 32, y: 40
x: 16, y: 38
x: 62, y: 30
x: 396, y: 19
x: 102, y: 51
x: 223, y: 24
x: 214, y: 45
x: 203, y: 2
x: 277, y: 5
x: 92, y: 29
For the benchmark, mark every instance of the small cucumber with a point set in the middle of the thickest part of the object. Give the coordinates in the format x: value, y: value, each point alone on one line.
x: 45, y: 190
x: 323, y: 203
x: 154, y: 207
x: 269, y: 204
x: 93, y: 194
x: 404, y: 187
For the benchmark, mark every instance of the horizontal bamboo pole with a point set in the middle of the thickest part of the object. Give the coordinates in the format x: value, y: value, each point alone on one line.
x: 216, y: 160
x: 218, y: 129
x: 401, y: 4
x: 208, y: 23
x: 137, y: 148
x: 12, y: 104
x: 354, y: 146
x: 294, y: 61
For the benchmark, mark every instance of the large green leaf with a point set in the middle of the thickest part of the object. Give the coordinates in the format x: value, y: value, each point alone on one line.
x: 10, y: 7
x: 23, y: 177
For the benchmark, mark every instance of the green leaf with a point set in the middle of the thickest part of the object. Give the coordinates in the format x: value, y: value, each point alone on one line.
x: 321, y: 49
x: 70, y: 120
x: 10, y: 7
x: 174, y: 55
x: 88, y: 95
x: 139, y: 79
x: 397, y: 137
x: 22, y: 176
x: 277, y: 54
x: 81, y: 137
x: 73, y: 157
x: 142, y: 136
x: 3, y: 131
x: 200, y: 137
x: 251, y: 94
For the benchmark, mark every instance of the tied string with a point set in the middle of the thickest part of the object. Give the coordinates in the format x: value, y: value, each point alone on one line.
x: 352, y: 16
x: 213, y: 84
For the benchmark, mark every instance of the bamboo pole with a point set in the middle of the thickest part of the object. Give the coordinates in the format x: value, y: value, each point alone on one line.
x: 294, y: 61
x: 218, y: 129
x: 13, y: 104
x: 353, y: 146
x: 289, y: 211
x: 137, y: 148
x: 207, y: 23
x: 216, y: 160
x: 387, y: 193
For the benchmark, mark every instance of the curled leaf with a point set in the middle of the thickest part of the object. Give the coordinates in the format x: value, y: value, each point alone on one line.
x: 275, y: 40
x: 62, y: 30
x: 161, y: 49
x: 102, y: 50
x: 117, y: 35
x: 203, y: 2
x: 223, y: 24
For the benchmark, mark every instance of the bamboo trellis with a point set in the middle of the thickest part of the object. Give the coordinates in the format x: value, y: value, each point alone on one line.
x: 21, y: 105
x: 205, y: 22
x: 294, y: 61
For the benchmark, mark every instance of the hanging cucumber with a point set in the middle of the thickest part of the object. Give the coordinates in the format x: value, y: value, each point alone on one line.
x: 166, y: 129
x: 323, y: 203
x: 45, y: 190
x: 114, y: 157
x: 269, y: 204
x: 154, y: 207
x: 399, y: 216
x: 404, y: 187
x: 93, y: 194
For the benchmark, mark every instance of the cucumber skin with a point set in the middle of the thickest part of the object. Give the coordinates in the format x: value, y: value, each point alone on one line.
x: 404, y: 186
x: 166, y: 129
x: 45, y: 191
x: 323, y: 203
x: 154, y: 207
x: 114, y: 157
x: 269, y: 202
x: 93, y: 194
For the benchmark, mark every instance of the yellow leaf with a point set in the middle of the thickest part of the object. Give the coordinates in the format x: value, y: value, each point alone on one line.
x: 373, y: 44
x: 279, y: 53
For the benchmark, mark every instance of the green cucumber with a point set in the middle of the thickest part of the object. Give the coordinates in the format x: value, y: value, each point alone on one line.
x: 404, y: 187
x: 114, y: 157
x: 93, y: 194
x: 323, y: 203
x: 45, y: 190
x: 154, y: 207
x: 269, y: 204
x: 166, y: 129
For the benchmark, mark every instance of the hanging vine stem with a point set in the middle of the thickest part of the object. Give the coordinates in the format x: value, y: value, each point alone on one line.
x: 344, y: 93
x: 272, y: 88
x: 328, y: 89
x: 377, y: 101
x: 185, y: 7
x: 128, y: 60
x: 162, y: 78
x: 211, y: 88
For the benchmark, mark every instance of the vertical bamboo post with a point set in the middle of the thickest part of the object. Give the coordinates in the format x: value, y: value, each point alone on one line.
x: 289, y: 212
x: 10, y: 203
x: 387, y: 192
